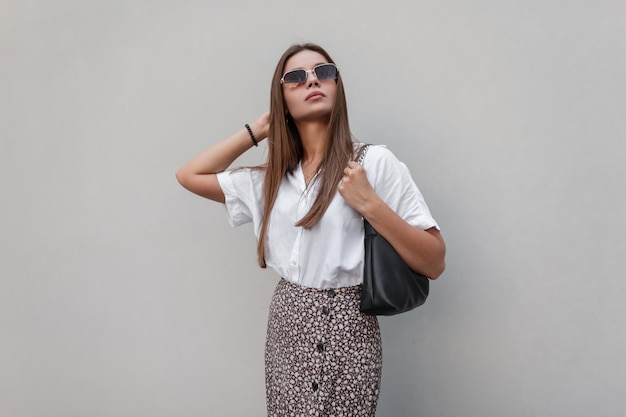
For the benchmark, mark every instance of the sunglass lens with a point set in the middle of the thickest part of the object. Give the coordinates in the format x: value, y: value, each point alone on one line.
x: 326, y: 72
x: 295, y: 77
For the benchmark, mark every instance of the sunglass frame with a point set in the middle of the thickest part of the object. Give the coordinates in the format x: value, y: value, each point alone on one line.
x: 306, y: 74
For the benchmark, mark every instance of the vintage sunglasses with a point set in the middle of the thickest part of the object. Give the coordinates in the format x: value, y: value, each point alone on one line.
x: 299, y: 76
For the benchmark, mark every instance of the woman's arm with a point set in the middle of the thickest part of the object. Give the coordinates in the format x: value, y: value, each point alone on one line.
x: 198, y: 175
x: 423, y: 250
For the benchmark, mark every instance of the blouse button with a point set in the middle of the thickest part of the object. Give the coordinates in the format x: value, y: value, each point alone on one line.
x: 331, y: 293
x: 314, y: 386
x: 325, y: 310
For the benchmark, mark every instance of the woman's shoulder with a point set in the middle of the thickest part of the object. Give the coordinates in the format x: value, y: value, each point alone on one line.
x: 242, y: 175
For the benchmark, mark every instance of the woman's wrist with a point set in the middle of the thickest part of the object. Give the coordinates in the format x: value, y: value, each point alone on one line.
x: 259, y: 131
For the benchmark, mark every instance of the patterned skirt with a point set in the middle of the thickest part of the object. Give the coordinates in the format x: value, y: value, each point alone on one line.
x: 323, y: 356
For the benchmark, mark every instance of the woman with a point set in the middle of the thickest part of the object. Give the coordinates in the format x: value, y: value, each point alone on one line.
x: 322, y: 356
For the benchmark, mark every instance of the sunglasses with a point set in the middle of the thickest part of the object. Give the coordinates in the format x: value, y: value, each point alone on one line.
x: 299, y: 76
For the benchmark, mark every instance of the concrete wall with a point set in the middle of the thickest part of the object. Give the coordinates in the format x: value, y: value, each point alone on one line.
x: 121, y: 294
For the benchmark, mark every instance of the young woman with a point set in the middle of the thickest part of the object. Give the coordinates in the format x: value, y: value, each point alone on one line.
x: 322, y: 355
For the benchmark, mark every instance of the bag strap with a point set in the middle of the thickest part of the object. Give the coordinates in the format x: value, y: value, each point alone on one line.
x: 360, y: 154
x: 359, y: 158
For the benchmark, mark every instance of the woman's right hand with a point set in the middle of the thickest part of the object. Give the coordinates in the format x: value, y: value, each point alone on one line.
x: 261, y: 127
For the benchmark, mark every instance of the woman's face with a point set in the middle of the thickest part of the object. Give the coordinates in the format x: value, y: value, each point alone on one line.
x: 313, y: 99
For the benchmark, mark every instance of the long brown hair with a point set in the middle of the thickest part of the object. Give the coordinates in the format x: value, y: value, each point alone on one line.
x: 285, y: 149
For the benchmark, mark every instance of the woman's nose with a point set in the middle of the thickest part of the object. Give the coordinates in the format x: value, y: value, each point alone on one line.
x: 311, y: 79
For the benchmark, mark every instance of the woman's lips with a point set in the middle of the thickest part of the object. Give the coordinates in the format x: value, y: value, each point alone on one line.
x: 315, y: 95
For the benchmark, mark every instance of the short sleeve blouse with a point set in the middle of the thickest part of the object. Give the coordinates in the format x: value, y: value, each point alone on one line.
x: 330, y: 254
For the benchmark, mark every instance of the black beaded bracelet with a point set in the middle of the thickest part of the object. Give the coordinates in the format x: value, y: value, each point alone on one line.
x: 252, y: 135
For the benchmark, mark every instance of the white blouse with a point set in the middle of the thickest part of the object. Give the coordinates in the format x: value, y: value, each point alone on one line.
x: 330, y: 254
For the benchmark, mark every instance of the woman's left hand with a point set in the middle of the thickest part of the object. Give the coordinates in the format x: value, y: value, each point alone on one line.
x: 423, y: 250
x: 356, y: 189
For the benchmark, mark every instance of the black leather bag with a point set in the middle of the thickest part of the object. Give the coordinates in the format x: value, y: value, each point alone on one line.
x: 389, y: 286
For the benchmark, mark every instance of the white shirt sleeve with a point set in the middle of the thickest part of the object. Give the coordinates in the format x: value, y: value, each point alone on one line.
x: 243, y: 192
x: 393, y: 183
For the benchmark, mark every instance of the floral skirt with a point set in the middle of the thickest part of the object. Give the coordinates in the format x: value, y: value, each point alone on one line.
x: 323, y: 357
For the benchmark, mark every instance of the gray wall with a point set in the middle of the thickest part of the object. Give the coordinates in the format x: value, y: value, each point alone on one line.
x: 121, y: 294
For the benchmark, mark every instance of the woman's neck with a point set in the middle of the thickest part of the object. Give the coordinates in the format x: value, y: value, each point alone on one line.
x: 314, y: 137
